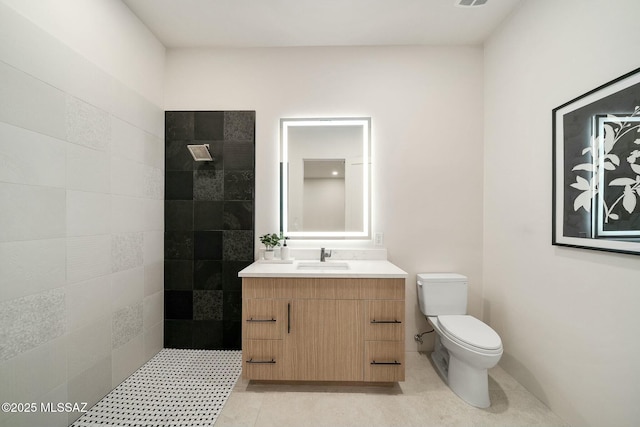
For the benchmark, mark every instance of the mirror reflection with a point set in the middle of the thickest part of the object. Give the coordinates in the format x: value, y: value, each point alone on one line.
x: 323, y: 192
x: 325, y: 178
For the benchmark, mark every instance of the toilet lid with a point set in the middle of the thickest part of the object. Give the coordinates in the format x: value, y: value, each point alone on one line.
x: 470, y: 331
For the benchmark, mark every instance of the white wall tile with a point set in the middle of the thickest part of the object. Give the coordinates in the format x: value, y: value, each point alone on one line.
x: 88, y: 213
x: 128, y: 214
x: 154, y: 215
x: 127, y: 177
x: 8, y: 379
x: 87, y: 125
x: 153, y: 247
x: 89, y: 345
x: 35, y: 372
x: 30, y: 212
x: 86, y: 301
x: 30, y: 321
x: 31, y: 266
x: 106, y: 34
x: 127, y: 359
x: 133, y: 108
x: 153, y: 183
x: 31, y: 104
x: 126, y: 251
x: 153, y: 151
x: 91, y: 385
x: 62, y: 119
x: 153, y: 277
x: 88, y: 257
x: 40, y: 418
x: 153, y: 341
x: 88, y: 169
x: 127, y: 288
x: 126, y: 324
x: 28, y: 157
x: 49, y: 419
x: 46, y: 58
x: 127, y: 141
x: 153, y: 310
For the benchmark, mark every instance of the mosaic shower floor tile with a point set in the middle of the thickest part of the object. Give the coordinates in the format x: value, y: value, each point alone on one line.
x: 181, y: 388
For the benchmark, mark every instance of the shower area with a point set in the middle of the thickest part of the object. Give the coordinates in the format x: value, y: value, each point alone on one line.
x: 209, y: 226
x: 82, y: 224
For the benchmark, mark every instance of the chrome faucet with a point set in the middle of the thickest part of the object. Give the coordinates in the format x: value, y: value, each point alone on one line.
x: 324, y: 254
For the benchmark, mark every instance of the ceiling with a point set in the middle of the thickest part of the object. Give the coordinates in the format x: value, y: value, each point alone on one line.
x: 280, y: 23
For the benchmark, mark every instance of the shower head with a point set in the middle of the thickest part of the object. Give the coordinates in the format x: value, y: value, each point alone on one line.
x: 200, y: 153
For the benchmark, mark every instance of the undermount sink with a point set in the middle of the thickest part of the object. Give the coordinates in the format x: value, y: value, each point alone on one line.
x: 317, y: 265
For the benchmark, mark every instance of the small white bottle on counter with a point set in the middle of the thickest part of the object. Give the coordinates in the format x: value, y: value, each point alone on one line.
x: 284, y: 251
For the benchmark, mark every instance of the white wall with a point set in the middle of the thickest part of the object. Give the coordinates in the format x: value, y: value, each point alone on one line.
x: 568, y: 317
x: 107, y: 34
x: 426, y: 109
x: 81, y: 203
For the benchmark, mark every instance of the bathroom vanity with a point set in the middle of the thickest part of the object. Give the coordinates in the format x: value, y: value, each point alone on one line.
x: 331, y: 321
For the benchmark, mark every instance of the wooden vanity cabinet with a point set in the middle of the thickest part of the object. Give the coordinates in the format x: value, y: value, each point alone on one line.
x: 384, y: 341
x: 317, y: 329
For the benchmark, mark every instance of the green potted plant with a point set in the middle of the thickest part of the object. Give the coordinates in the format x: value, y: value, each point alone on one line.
x: 270, y: 241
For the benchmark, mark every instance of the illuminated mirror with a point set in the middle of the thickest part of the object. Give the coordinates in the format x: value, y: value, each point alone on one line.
x: 325, y: 183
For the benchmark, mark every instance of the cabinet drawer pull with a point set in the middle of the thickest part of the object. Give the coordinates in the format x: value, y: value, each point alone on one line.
x: 385, y: 321
x: 289, y: 318
x: 261, y: 361
x: 395, y: 362
x: 251, y: 319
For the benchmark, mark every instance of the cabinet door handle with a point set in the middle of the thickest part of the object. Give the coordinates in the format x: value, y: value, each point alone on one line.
x: 251, y: 319
x: 385, y: 321
x: 289, y: 318
x: 395, y: 362
x: 261, y: 361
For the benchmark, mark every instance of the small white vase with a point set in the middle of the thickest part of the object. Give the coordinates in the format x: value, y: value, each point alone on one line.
x: 268, y: 254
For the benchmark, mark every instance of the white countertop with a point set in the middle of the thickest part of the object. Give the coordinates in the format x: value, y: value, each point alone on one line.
x: 357, y: 269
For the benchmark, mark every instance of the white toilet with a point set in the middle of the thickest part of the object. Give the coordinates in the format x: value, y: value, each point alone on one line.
x: 465, y: 347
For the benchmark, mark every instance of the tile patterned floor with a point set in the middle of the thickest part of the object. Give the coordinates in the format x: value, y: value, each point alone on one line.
x: 189, y: 388
x: 422, y: 400
x: 175, y: 388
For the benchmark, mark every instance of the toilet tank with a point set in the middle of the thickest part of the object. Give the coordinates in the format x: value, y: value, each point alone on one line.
x: 442, y: 293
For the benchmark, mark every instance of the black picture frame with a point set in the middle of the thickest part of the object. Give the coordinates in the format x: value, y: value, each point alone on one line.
x: 596, y: 168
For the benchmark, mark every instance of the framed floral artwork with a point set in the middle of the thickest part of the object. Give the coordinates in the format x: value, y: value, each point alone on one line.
x: 596, y: 168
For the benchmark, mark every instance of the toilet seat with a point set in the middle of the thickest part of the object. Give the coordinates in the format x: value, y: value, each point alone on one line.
x: 471, y: 333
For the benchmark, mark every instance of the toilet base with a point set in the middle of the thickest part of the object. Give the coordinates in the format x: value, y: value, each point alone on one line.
x: 469, y: 383
x: 464, y: 370
x: 440, y: 358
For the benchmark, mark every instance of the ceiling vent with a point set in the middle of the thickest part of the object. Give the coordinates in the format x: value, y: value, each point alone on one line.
x: 470, y: 3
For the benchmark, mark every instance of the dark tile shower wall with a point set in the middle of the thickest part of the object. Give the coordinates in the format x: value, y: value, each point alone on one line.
x: 209, y: 227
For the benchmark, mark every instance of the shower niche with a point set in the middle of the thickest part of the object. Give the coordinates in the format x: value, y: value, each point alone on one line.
x: 209, y: 225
